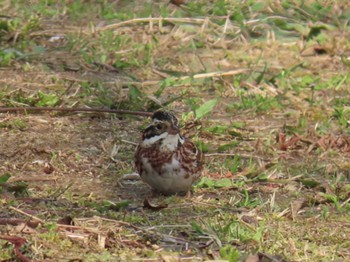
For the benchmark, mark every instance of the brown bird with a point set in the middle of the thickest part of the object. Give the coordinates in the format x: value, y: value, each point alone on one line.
x: 165, y: 160
x: 178, y: 2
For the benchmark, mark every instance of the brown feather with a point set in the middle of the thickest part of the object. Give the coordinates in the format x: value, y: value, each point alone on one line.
x: 158, y: 165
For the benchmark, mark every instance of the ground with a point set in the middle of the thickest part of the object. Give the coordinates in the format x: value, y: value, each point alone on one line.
x: 262, y: 87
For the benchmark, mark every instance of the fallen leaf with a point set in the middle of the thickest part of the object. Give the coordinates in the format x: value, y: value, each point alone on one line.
x: 250, y: 219
x: 169, y: 258
x: 272, y: 258
x: 48, y: 168
x: 15, y: 222
x: 131, y: 176
x: 252, y: 258
x: 147, y: 204
x: 284, y: 143
x: 296, y: 205
x: 24, y: 228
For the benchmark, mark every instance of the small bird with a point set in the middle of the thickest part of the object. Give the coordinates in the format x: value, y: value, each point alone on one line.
x: 178, y: 2
x: 165, y: 160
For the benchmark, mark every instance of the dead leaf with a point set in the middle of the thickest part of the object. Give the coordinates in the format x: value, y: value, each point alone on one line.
x: 329, y: 141
x: 48, y: 168
x: 169, y: 258
x: 296, y: 205
x: 24, y: 228
x: 249, y: 219
x: 270, y: 258
x: 220, y: 175
x: 149, y: 205
x: 252, y: 258
x: 314, y: 50
x: 15, y: 222
x: 131, y: 176
x: 284, y: 143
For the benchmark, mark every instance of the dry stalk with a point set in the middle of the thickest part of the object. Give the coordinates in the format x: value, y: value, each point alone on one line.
x: 152, y: 20
x: 64, y: 109
x: 235, y: 154
x: 202, y: 75
x: 216, y: 74
x: 26, y: 214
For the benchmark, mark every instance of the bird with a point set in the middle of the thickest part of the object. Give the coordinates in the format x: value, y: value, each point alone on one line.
x: 164, y: 159
x: 178, y: 2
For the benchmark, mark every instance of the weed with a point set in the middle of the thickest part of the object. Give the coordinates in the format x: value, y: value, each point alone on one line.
x: 248, y: 202
x: 228, y: 229
x: 37, y: 99
x: 229, y: 253
x: 52, y: 235
x: 6, y: 251
x: 205, y: 109
x: 7, y: 56
x: 233, y: 164
x: 3, y: 180
x: 32, y: 24
x: 325, y: 212
x: 210, y: 183
x: 257, y: 103
x: 227, y: 146
x: 342, y: 114
x: 19, y: 124
x: 204, y: 147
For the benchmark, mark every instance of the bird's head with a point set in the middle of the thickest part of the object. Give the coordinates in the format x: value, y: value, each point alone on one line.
x: 163, y: 122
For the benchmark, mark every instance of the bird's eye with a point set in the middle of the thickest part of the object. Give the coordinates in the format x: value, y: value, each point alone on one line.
x: 159, y: 126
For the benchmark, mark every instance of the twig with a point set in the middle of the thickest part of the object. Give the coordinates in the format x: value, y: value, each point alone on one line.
x: 129, y: 142
x: 64, y: 109
x: 61, y: 191
x: 18, y: 242
x: 270, y: 257
x: 345, y: 202
x: 59, y: 31
x: 232, y: 154
x: 195, y: 76
x: 235, y: 210
x: 16, y: 222
x: 16, y: 179
x: 146, y: 230
x: 215, y: 74
x: 151, y: 19
x: 73, y: 228
x: 28, y: 215
x: 167, y: 226
x: 198, y: 76
x: 119, y: 222
x: 30, y: 200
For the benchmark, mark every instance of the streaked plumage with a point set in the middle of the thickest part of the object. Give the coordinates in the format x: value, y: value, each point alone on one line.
x: 165, y: 160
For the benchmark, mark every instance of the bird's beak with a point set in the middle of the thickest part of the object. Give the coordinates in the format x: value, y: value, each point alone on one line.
x: 176, y: 128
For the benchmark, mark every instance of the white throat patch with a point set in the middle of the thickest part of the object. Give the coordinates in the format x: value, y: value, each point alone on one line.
x: 171, y: 142
x: 150, y: 141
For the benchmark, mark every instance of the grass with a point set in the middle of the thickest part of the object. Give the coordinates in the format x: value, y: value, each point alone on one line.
x: 260, y: 86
